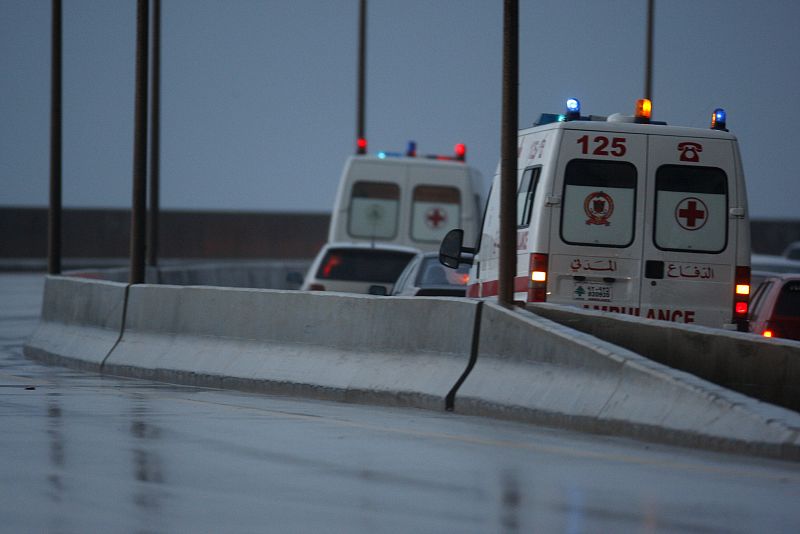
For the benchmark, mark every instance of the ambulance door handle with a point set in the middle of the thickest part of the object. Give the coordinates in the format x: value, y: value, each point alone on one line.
x: 609, y: 279
x: 579, y: 278
x: 654, y: 269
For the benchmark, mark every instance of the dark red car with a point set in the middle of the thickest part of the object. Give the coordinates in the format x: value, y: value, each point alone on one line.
x: 775, y: 307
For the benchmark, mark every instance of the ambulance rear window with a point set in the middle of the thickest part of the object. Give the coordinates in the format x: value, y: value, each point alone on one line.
x: 599, y: 203
x: 691, y: 209
x: 435, y: 211
x: 374, y: 210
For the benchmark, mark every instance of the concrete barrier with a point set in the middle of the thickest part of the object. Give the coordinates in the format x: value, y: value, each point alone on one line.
x: 400, y: 351
x: 266, y: 274
x: 532, y: 369
x: 80, y: 323
x: 767, y: 369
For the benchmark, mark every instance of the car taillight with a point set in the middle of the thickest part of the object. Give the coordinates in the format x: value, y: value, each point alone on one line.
x: 316, y: 287
x: 741, y: 297
x: 767, y: 333
x: 537, y: 287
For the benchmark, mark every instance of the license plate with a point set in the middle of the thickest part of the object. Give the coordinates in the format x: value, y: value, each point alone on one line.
x: 592, y: 292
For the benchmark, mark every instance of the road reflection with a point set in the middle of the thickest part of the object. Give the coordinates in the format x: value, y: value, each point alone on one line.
x: 57, y: 447
x: 510, y: 502
x: 147, y: 464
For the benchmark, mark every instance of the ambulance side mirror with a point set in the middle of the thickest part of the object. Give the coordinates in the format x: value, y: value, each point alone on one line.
x: 451, y: 251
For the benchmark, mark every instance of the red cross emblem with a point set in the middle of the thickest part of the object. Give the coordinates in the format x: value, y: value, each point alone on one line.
x: 434, y: 217
x: 691, y: 213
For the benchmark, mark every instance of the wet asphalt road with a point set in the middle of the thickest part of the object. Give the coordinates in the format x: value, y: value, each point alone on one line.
x: 90, y: 453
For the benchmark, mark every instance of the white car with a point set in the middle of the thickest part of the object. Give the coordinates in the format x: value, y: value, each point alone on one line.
x: 426, y: 277
x: 358, y: 268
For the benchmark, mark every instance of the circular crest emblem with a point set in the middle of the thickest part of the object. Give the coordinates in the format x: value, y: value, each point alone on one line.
x: 598, y: 207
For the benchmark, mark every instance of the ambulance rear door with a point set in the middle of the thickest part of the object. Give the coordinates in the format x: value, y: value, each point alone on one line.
x: 440, y: 200
x: 690, y: 244
x: 596, y: 240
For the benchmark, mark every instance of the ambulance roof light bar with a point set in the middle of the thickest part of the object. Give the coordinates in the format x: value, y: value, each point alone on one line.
x: 644, y: 109
x: 718, y: 120
x: 461, y: 151
x: 573, y: 110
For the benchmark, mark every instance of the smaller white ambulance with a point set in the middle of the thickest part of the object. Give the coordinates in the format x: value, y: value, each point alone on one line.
x: 403, y: 199
x: 624, y: 215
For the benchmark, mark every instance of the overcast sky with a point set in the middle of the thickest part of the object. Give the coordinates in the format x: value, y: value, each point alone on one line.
x: 259, y: 95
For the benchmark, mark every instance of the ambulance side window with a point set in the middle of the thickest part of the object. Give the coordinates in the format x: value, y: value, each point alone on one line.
x: 435, y: 210
x: 691, y: 209
x: 599, y: 203
x: 374, y: 210
x: 525, y: 195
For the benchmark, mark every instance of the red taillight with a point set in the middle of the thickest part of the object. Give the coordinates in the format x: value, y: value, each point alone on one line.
x: 537, y: 285
x: 767, y: 333
x: 741, y: 297
x: 332, y: 262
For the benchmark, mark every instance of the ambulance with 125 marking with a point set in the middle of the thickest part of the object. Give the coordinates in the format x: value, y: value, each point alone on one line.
x: 624, y: 215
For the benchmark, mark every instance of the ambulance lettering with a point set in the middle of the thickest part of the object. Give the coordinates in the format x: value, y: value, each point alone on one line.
x: 537, y: 149
x: 593, y: 264
x: 626, y: 310
x: 675, y: 316
x: 690, y: 271
x: 600, y: 146
x: 665, y: 314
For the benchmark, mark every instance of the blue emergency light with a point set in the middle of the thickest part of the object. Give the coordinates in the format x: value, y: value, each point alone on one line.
x: 573, y: 109
x: 718, y: 120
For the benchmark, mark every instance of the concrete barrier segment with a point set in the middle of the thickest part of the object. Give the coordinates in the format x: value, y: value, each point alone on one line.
x: 767, y: 369
x: 535, y: 370
x: 265, y: 274
x: 359, y: 348
x: 81, y: 321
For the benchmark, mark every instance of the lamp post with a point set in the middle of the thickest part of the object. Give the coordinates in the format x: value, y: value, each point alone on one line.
x: 139, y: 203
x: 155, y: 141
x: 54, y: 213
x: 508, y: 155
x: 361, y: 140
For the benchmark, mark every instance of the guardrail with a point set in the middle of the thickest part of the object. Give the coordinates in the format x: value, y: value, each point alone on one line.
x: 435, y: 353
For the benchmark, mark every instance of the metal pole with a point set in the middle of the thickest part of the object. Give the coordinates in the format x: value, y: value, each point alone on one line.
x: 362, y: 79
x: 648, y: 69
x: 155, y: 140
x: 54, y: 214
x: 139, y: 205
x: 508, y: 155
